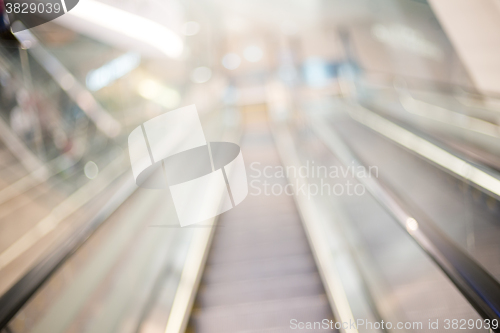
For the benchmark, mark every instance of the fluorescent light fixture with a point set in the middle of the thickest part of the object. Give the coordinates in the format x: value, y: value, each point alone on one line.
x: 131, y: 25
x: 112, y: 71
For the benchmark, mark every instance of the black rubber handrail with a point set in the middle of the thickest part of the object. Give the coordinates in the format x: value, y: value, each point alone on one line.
x: 473, y: 281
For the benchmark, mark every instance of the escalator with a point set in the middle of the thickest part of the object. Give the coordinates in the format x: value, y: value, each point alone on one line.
x: 278, y: 262
x: 365, y: 211
x: 260, y: 272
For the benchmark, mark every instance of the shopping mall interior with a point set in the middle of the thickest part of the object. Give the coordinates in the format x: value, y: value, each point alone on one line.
x: 249, y: 166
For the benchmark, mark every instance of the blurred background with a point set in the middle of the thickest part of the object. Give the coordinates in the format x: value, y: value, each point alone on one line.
x: 408, y: 89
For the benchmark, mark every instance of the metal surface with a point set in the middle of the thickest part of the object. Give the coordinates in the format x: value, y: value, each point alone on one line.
x: 14, y: 299
x: 329, y: 250
x: 475, y: 283
x: 260, y: 272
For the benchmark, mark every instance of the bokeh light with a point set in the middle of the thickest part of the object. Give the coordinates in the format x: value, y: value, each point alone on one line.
x: 253, y: 53
x: 231, y: 61
x: 201, y: 74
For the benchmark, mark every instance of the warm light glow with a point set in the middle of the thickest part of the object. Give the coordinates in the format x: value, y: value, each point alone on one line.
x: 130, y: 25
x: 158, y: 93
x: 411, y: 224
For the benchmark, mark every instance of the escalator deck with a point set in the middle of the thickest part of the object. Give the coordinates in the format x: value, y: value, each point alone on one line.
x: 260, y: 273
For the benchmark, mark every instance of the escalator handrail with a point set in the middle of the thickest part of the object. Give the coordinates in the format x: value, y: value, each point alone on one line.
x: 19, y: 294
x: 442, y: 87
x: 473, y: 281
x: 22, y: 291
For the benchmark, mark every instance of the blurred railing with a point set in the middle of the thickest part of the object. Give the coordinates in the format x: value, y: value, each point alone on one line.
x: 53, y: 133
x: 475, y: 283
x: 93, y: 136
